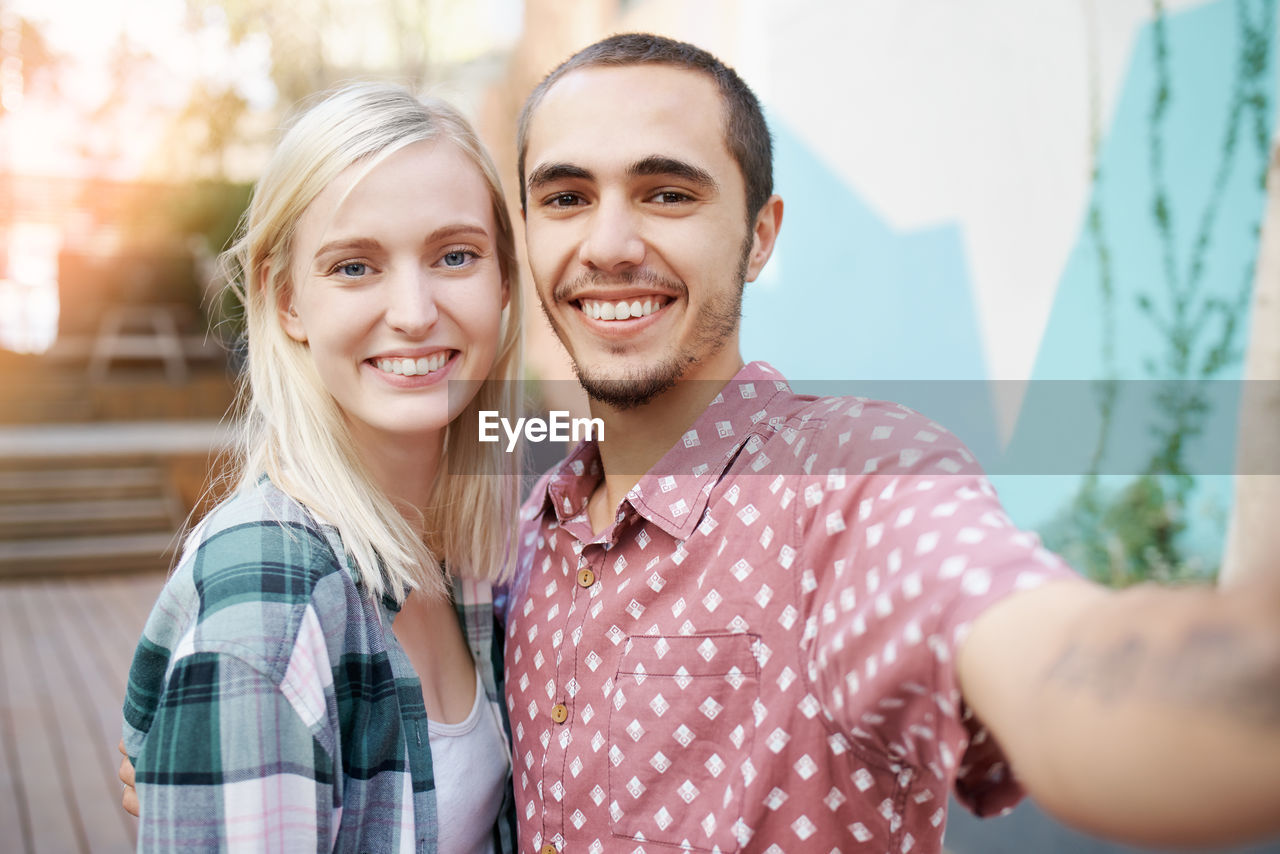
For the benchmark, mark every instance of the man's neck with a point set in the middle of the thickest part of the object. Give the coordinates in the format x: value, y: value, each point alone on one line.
x: 636, y: 439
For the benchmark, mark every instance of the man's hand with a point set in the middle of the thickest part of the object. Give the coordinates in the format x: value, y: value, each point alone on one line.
x: 1149, y: 715
x: 130, y: 798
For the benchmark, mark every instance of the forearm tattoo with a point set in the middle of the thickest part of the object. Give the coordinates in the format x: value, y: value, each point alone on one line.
x: 1211, y: 668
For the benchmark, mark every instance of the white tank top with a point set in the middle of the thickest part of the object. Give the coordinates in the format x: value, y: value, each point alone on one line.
x: 470, y: 762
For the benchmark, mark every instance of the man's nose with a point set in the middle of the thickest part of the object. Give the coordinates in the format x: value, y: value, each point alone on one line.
x: 411, y: 303
x: 613, y: 240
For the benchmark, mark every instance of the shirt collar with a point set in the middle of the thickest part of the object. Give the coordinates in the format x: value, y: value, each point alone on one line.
x: 674, y: 493
x: 571, y: 483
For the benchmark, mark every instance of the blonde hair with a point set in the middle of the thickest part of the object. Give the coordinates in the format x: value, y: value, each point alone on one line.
x: 292, y: 429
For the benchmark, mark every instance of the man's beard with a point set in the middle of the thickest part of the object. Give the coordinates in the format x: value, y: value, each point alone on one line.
x: 716, y: 322
x: 715, y: 325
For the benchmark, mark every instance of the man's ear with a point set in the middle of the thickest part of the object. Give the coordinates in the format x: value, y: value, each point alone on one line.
x: 289, y: 320
x: 764, y: 234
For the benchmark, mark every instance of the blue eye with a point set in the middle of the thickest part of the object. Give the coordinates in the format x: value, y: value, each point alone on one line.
x: 455, y: 259
x: 354, y: 269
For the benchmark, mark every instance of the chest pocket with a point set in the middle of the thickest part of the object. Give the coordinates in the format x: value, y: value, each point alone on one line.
x: 681, y: 726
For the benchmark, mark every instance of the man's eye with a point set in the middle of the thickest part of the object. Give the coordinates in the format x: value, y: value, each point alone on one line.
x: 564, y: 200
x: 670, y: 197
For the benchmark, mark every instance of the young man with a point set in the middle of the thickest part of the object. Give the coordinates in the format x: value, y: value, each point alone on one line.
x: 750, y: 620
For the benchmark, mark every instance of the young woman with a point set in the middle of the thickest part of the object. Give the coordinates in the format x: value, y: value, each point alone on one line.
x: 321, y: 672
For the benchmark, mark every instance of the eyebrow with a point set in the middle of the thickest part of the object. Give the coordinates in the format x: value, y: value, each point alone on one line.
x: 346, y: 244
x: 655, y: 165
x: 550, y: 172
x: 367, y: 244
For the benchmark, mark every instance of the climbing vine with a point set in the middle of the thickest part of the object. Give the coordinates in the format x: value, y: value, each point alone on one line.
x: 1135, y: 533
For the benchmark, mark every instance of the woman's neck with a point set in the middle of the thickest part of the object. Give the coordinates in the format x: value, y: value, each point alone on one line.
x: 404, y: 468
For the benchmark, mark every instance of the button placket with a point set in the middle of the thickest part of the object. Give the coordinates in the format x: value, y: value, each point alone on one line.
x: 566, y: 668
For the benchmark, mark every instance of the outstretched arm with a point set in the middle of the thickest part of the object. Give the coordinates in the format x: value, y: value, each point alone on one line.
x: 1149, y: 715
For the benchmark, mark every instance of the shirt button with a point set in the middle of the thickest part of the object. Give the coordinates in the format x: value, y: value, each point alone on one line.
x: 559, y: 714
x: 586, y: 578
x: 548, y: 849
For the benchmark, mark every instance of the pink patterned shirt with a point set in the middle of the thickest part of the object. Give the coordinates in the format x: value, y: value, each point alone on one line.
x: 758, y: 655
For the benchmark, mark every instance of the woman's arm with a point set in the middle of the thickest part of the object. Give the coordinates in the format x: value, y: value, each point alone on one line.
x: 230, y: 764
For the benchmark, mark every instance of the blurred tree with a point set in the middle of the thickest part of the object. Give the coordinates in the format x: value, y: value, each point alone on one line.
x: 214, y: 112
x: 312, y: 45
x: 210, y: 212
x: 128, y: 63
x: 26, y: 59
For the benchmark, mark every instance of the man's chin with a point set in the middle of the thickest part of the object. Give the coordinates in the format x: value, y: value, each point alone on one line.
x: 631, y: 391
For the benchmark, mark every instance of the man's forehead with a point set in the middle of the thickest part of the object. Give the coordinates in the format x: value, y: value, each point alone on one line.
x: 621, y: 104
x: 642, y: 77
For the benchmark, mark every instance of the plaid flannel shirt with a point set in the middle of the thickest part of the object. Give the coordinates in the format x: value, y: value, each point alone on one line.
x: 269, y: 705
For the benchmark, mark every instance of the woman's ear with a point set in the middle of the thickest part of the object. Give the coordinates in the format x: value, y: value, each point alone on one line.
x: 291, y: 323
x: 285, y: 310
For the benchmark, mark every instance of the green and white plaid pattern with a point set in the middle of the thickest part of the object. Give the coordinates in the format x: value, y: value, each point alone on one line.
x: 269, y: 705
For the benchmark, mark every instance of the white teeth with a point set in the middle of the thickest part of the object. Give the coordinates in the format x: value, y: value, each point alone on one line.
x: 413, y: 367
x: 621, y: 310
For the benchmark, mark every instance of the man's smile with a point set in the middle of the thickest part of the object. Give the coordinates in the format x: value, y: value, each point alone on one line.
x: 623, y: 309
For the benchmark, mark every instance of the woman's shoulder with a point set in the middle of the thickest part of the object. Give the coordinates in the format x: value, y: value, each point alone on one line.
x: 261, y: 585
x: 250, y: 573
x: 264, y: 531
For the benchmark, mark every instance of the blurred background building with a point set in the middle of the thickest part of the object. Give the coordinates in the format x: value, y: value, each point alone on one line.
x: 1040, y: 223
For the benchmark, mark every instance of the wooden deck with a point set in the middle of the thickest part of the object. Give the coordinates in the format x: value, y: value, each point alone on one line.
x: 65, y: 649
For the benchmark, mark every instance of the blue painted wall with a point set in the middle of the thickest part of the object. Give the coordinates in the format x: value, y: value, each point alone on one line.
x: 849, y: 298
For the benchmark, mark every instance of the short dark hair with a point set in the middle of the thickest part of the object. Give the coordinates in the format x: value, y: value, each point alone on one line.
x: 745, y: 130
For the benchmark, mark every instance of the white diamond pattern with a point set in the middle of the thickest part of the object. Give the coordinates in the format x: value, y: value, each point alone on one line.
x: 766, y: 632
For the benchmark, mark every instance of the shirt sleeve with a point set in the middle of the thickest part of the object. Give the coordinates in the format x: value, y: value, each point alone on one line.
x: 905, y: 554
x: 229, y: 764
